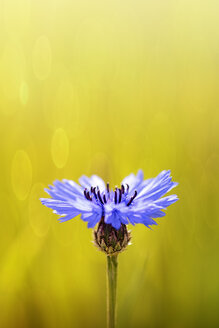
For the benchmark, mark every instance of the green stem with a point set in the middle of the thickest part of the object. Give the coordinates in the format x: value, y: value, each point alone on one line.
x: 111, y: 290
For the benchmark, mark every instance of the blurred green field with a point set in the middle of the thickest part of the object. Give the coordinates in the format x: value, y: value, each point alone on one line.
x: 109, y: 87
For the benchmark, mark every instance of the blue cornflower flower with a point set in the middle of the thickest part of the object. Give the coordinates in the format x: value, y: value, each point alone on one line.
x: 136, y: 201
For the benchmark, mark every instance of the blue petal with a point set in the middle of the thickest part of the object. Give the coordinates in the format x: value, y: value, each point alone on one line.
x: 65, y: 190
x: 113, y: 219
x: 158, y: 214
x: 148, y: 222
x: 92, y: 218
x: 141, y: 218
x: 93, y: 181
x: 157, y: 187
x: 115, y: 214
x: 93, y: 221
x: 72, y: 207
x: 56, y: 204
x: 67, y: 218
x: 166, y: 201
x: 123, y: 218
x: 148, y: 204
x: 133, y: 181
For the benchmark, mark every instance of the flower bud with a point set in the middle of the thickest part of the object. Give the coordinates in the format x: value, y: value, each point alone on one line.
x: 110, y: 240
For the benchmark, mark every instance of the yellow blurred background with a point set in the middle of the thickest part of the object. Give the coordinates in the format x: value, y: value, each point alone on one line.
x: 109, y: 87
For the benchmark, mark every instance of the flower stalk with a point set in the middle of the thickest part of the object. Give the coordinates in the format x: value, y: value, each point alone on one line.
x: 112, y: 266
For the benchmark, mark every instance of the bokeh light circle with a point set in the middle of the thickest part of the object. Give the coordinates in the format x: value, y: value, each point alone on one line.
x: 60, y: 148
x: 21, y: 174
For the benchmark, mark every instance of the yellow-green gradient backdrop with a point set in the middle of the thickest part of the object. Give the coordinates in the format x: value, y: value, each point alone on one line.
x: 108, y: 87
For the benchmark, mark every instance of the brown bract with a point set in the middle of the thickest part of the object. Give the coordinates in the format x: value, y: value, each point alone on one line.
x: 109, y: 240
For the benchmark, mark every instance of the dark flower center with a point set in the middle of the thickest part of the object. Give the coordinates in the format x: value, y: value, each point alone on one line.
x: 116, y: 196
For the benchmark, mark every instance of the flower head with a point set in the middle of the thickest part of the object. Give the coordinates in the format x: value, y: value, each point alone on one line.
x: 135, y: 201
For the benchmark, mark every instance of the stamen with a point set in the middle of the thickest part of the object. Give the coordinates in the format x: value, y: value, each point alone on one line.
x: 94, y: 192
x: 104, y: 198
x: 133, y: 197
x: 115, y: 197
x: 99, y: 196
x: 85, y: 193
x: 88, y: 195
x: 120, y: 195
x: 135, y: 194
